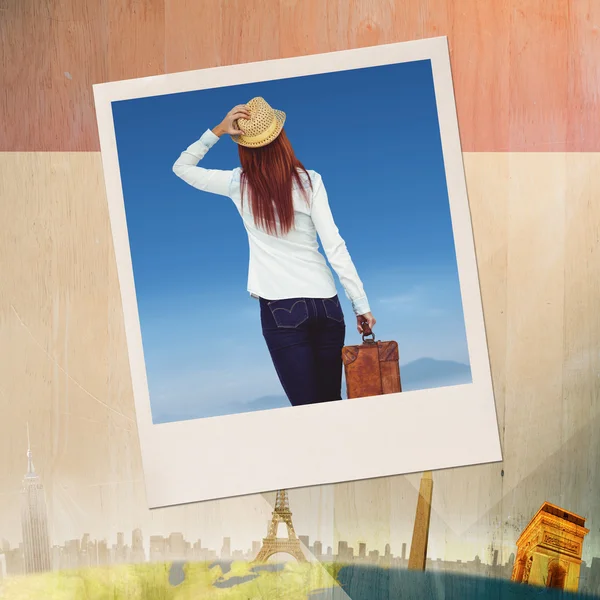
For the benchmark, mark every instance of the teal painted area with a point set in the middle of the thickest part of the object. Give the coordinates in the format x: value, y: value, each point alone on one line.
x: 374, y: 583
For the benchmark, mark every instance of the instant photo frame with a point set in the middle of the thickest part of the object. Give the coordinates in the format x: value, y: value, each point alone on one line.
x: 237, y: 454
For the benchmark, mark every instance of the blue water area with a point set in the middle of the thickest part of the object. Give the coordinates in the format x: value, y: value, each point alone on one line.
x: 273, y: 567
x: 374, y: 583
x: 224, y: 564
x: 335, y: 593
x: 237, y: 580
x: 176, y: 573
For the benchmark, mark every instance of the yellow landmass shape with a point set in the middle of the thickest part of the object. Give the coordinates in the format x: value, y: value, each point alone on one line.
x: 151, y: 582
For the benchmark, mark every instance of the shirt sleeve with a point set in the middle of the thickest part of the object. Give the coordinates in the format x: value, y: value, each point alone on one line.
x: 335, y: 249
x: 207, y: 180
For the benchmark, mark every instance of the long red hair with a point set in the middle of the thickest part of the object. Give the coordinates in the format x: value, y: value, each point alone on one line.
x: 267, y: 180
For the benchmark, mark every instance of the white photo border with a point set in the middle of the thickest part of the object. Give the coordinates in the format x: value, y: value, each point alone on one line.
x: 246, y: 453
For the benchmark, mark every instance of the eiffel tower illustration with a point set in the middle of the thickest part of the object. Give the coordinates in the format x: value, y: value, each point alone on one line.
x: 272, y: 544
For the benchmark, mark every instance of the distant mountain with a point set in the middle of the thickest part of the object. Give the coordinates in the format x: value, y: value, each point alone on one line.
x: 219, y: 410
x: 262, y: 403
x: 421, y: 374
x: 431, y: 373
x: 266, y: 403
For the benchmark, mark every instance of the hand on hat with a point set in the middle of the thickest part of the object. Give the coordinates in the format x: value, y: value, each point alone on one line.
x: 229, y: 124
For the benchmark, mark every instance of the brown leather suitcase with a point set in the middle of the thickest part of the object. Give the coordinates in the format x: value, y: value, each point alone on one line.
x: 372, y: 368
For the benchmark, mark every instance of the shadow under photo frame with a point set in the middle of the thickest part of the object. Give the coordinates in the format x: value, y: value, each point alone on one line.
x: 203, y: 456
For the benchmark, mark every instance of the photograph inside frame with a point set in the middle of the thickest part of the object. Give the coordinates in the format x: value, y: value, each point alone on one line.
x: 295, y: 253
x: 291, y: 241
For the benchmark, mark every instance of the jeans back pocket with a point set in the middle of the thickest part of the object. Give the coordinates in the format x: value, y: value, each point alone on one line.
x: 289, y: 313
x: 333, y: 309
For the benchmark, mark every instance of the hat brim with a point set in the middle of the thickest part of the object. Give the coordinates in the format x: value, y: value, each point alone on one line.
x: 242, y: 141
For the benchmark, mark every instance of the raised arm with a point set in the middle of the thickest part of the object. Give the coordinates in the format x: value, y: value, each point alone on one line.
x: 209, y: 180
x: 335, y: 249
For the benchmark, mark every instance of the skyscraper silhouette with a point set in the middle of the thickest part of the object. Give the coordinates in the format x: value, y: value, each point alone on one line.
x: 226, y: 548
x: 362, y: 550
x: 34, y: 520
x: 137, y: 546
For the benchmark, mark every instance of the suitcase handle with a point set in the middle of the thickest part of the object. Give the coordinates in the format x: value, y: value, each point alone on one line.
x: 367, y: 332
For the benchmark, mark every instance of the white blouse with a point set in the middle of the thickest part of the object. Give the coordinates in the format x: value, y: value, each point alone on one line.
x: 289, y: 266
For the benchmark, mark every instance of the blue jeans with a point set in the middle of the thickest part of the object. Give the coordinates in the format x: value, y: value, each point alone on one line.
x: 305, y: 337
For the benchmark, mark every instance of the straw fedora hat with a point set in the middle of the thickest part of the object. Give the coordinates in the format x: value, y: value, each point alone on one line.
x: 263, y: 126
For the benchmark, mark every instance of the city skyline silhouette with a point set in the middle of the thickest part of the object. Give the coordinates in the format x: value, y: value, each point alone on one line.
x: 175, y: 548
x: 36, y: 553
x: 197, y: 521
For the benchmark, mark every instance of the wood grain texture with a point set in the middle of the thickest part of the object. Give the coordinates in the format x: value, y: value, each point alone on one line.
x: 583, y: 27
x: 50, y: 54
x: 526, y: 76
x: 537, y: 233
x: 539, y: 74
x: 525, y: 71
x: 193, y: 35
x: 59, y: 309
x: 64, y: 368
x: 136, y: 38
x: 480, y: 40
x: 249, y: 31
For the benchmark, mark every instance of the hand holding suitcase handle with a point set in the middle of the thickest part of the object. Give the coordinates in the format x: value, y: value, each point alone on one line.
x: 366, y: 330
x: 366, y: 327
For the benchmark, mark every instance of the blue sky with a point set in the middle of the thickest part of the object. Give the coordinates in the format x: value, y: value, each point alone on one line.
x: 373, y: 134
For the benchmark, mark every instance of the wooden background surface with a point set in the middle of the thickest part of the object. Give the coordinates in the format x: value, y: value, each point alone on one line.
x: 525, y: 71
x: 526, y: 76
